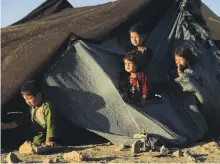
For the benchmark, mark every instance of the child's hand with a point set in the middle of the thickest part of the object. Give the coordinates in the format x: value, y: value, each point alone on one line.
x: 49, y: 142
x: 179, y: 71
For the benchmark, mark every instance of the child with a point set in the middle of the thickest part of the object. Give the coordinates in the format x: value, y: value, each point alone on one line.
x: 184, y: 59
x: 188, y: 79
x: 133, y: 85
x: 137, y: 38
x: 42, y: 118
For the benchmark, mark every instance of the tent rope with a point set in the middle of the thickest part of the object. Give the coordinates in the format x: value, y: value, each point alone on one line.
x: 129, y: 112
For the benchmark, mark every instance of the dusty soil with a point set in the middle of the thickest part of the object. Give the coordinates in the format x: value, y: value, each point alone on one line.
x: 104, y: 153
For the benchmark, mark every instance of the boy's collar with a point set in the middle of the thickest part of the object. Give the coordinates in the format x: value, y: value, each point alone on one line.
x: 141, y: 48
x: 39, y: 105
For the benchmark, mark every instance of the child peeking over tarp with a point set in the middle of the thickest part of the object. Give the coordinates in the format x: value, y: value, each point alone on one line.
x: 42, y: 117
x: 191, y: 81
x: 184, y: 60
x: 133, y: 85
x: 137, y: 37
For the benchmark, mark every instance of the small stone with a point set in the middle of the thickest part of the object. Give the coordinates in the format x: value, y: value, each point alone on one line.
x: 178, y: 153
x: 135, y: 147
x: 12, y: 158
x: 26, y: 148
x: 48, y: 161
x: 73, y: 156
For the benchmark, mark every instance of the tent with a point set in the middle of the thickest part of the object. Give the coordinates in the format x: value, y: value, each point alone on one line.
x: 76, y: 53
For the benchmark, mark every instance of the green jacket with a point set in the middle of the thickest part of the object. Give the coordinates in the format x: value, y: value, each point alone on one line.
x: 43, y: 122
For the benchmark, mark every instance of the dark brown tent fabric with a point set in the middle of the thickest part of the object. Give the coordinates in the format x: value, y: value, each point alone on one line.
x: 27, y: 46
x: 47, y: 8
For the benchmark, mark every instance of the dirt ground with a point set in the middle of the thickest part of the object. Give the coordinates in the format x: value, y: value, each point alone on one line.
x: 105, y: 153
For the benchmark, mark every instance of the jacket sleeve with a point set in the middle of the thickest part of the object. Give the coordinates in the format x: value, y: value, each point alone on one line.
x: 186, y: 80
x: 192, y: 83
x: 50, y: 122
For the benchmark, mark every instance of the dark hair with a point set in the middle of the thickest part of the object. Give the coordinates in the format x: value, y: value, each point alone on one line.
x: 186, y: 53
x: 131, y: 56
x: 30, y: 88
x: 138, y: 28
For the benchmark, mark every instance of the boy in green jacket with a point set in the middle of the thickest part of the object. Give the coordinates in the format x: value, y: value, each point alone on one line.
x: 42, y: 116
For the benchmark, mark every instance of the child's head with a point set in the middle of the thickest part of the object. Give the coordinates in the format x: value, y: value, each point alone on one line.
x: 184, y: 56
x: 130, y: 62
x: 137, y: 35
x: 31, y: 93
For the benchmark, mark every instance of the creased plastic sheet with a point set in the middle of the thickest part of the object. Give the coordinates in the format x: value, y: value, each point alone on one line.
x: 85, y: 83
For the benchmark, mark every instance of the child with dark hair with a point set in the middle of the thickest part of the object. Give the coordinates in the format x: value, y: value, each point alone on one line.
x: 184, y: 59
x: 134, y: 84
x: 137, y: 37
x: 42, y: 117
x: 192, y: 78
x: 185, y: 65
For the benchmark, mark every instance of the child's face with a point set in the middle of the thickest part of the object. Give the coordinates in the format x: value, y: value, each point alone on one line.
x: 180, y: 61
x: 130, y: 66
x: 31, y: 100
x: 136, y: 39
